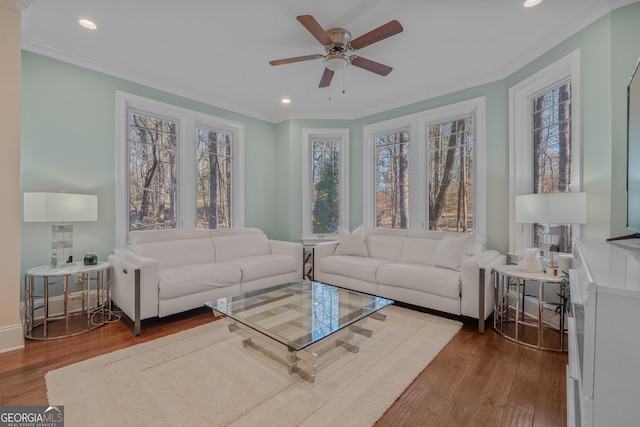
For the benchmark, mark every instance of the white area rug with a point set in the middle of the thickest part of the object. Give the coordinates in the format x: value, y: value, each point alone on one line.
x: 205, y: 377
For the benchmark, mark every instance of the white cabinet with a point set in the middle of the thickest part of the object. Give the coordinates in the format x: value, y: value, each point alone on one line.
x: 603, y: 375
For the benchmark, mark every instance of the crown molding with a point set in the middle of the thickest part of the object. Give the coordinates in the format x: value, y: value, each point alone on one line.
x: 18, y: 5
x: 616, y: 4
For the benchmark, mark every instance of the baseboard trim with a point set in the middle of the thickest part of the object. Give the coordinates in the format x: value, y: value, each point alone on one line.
x: 56, y: 305
x: 11, y: 338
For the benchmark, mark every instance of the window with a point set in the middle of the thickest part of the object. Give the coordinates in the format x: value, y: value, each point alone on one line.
x: 175, y: 168
x: 213, y: 180
x: 544, y: 148
x: 551, y: 137
x: 426, y: 171
x: 450, y: 175
x: 152, y: 171
x: 326, y: 189
x: 392, y: 179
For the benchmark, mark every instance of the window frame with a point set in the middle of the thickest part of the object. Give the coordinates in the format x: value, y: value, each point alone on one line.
x: 308, y: 135
x: 418, y: 125
x: 187, y: 121
x: 521, y: 140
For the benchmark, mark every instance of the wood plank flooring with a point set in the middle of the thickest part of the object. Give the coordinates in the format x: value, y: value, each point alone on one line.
x: 476, y: 380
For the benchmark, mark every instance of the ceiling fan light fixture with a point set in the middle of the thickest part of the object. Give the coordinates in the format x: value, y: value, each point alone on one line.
x: 336, y: 62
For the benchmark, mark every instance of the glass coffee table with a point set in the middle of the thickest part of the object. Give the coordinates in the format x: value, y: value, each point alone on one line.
x: 296, y: 323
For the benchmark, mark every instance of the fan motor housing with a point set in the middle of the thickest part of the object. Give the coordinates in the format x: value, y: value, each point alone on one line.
x: 340, y: 38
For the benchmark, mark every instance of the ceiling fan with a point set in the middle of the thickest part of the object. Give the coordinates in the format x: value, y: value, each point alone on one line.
x: 337, y: 43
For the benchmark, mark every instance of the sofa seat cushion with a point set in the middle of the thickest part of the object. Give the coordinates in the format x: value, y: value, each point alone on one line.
x: 425, y: 278
x: 353, y: 266
x: 194, y: 278
x: 261, y: 266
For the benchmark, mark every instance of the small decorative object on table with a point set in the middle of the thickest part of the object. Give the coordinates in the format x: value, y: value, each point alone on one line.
x: 531, y: 262
x: 90, y: 259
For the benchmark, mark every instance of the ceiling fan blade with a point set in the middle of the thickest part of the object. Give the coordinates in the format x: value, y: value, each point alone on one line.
x: 326, y: 78
x: 315, y: 29
x: 295, y: 59
x: 389, y: 29
x: 369, y: 65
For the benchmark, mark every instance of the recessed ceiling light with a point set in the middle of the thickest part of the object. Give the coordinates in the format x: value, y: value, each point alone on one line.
x: 531, y: 3
x: 285, y: 100
x: 88, y: 24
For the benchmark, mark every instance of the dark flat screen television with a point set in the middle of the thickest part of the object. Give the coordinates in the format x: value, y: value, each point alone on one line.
x: 633, y: 152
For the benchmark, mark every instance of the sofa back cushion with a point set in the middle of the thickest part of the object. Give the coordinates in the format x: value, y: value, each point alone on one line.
x: 149, y: 236
x: 171, y: 253
x: 453, y: 248
x: 385, y: 243
x: 419, y: 250
x: 239, y: 245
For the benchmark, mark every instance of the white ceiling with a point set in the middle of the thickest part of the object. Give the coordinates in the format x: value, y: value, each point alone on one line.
x: 217, y: 51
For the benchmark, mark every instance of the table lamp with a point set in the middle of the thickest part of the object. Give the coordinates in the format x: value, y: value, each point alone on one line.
x: 60, y: 208
x: 552, y: 209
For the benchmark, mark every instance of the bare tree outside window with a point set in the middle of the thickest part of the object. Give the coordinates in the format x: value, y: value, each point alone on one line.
x: 392, y: 179
x: 325, y: 192
x: 552, y: 154
x: 152, y: 172
x: 450, y: 175
x: 213, y: 169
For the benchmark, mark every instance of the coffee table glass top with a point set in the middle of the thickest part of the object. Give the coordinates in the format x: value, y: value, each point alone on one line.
x: 301, y: 313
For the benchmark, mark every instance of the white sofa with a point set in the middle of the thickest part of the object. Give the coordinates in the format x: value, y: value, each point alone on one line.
x: 181, y: 269
x: 443, y: 271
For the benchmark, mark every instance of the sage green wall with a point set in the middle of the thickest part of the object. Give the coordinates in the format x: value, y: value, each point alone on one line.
x: 68, y: 128
x: 497, y: 167
x: 497, y: 158
x: 595, y: 117
x: 68, y: 144
x: 289, y: 172
x: 609, y: 49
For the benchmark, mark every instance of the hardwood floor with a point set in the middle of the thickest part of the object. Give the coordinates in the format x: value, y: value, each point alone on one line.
x: 476, y: 380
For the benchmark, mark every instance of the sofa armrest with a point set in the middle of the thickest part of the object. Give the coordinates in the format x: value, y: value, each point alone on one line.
x: 293, y: 249
x: 320, y: 251
x: 470, y: 271
x: 123, y: 290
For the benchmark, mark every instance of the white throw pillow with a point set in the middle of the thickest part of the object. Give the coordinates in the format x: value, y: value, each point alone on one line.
x: 453, y: 248
x: 351, y: 243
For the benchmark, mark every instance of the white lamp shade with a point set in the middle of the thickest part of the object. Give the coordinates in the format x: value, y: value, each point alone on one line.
x: 552, y: 208
x: 60, y: 207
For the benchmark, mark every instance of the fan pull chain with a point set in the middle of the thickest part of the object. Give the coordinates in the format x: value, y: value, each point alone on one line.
x: 343, y: 85
x: 343, y: 91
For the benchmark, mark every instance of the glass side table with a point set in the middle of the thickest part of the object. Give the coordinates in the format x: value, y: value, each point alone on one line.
x: 82, y: 303
x: 528, y: 308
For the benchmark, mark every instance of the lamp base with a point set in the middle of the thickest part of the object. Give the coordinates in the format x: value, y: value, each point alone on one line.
x: 61, y: 244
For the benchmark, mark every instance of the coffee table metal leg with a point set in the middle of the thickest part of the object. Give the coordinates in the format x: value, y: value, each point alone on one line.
x: 360, y: 330
x: 304, y: 363
x: 347, y: 346
x: 378, y: 316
